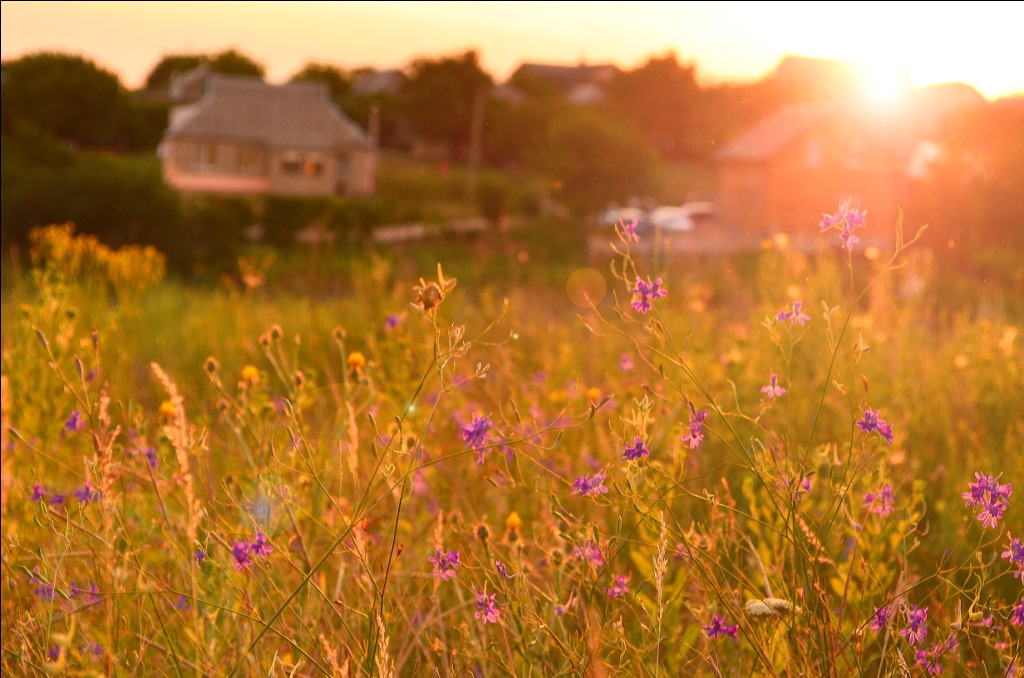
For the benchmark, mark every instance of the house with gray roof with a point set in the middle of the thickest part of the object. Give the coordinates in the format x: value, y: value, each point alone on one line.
x: 245, y: 136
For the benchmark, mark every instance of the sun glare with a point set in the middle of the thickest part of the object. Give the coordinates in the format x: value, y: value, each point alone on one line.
x: 883, y: 85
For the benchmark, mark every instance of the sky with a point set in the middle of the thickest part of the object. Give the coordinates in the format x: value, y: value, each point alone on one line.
x: 977, y: 43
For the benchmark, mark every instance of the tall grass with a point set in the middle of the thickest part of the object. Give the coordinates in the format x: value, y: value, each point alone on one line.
x: 419, y: 477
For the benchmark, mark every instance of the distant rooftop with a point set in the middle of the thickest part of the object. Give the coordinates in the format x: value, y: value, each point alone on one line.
x: 774, y: 133
x: 298, y: 115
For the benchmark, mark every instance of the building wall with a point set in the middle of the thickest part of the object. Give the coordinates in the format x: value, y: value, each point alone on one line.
x: 301, y: 173
x: 836, y: 161
x: 741, y: 196
x: 832, y: 164
x: 212, y: 167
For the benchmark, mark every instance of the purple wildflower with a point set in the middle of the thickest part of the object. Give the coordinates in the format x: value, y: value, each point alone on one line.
x: 917, y: 628
x: 486, y: 608
x: 260, y: 546
x: 992, y: 498
x: 57, y: 500
x: 879, y: 619
x: 392, y: 321
x: 181, y: 603
x: 872, y: 423
x: 620, y: 587
x: 881, y: 502
x: 637, y: 451
x: 86, y: 494
x: 589, y: 551
x: 54, y: 653
x: 43, y: 588
x: 445, y: 563
x: 646, y: 292
x: 502, y: 570
x: 477, y: 435
x: 796, y: 316
x: 243, y: 556
x: 695, y: 436
x: 1017, y: 618
x: 929, y: 659
x: 629, y: 231
x: 845, y: 220
x: 626, y: 363
x: 91, y: 595
x: 1015, y: 554
x: 38, y: 493
x: 586, y: 485
x: 718, y: 627
x: 151, y: 458
x: 74, y: 422
x: 773, y: 390
x: 199, y: 556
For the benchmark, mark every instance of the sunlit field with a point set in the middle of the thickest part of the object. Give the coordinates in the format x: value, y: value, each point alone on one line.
x: 473, y: 458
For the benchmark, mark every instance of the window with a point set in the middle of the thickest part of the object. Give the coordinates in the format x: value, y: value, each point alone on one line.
x: 291, y: 163
x: 208, y: 155
x: 313, y: 166
x: 249, y: 160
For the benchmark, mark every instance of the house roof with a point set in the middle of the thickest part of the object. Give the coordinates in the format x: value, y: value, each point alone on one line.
x: 771, y: 135
x: 298, y: 115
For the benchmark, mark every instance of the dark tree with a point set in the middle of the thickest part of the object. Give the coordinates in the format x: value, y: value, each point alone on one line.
x: 439, y: 98
x: 594, y: 157
x: 172, y: 65
x: 337, y: 81
x: 232, y: 62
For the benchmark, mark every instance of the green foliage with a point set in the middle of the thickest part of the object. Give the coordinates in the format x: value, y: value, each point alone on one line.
x: 338, y: 82
x: 440, y: 96
x: 172, y: 65
x: 340, y: 439
x: 70, y: 98
x: 594, y: 157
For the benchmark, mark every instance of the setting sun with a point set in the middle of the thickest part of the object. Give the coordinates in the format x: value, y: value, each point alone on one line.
x: 975, y: 44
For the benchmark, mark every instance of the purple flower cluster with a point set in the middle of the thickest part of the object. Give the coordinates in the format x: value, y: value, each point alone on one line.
x: 871, y: 423
x: 880, y: 502
x: 637, y: 451
x: 917, y: 625
x: 990, y: 497
x: 587, y: 485
x: 1015, y: 554
x: 589, y: 551
x: 795, y: 316
x: 628, y: 231
x: 243, y: 551
x: 445, y: 563
x: 773, y: 390
x: 879, y: 619
x: 928, y: 659
x: 486, y: 608
x: 74, y: 423
x: 844, y: 221
x: 477, y: 435
x: 1017, y: 618
x: 90, y: 595
x: 646, y: 292
x: 695, y: 436
x: 620, y: 587
x: 718, y: 628
x: 85, y: 494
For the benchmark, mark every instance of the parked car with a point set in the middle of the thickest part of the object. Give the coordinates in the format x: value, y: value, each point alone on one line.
x: 685, y: 218
x: 614, y: 215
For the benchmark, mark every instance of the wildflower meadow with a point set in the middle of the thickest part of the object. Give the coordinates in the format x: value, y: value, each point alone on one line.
x: 788, y: 463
